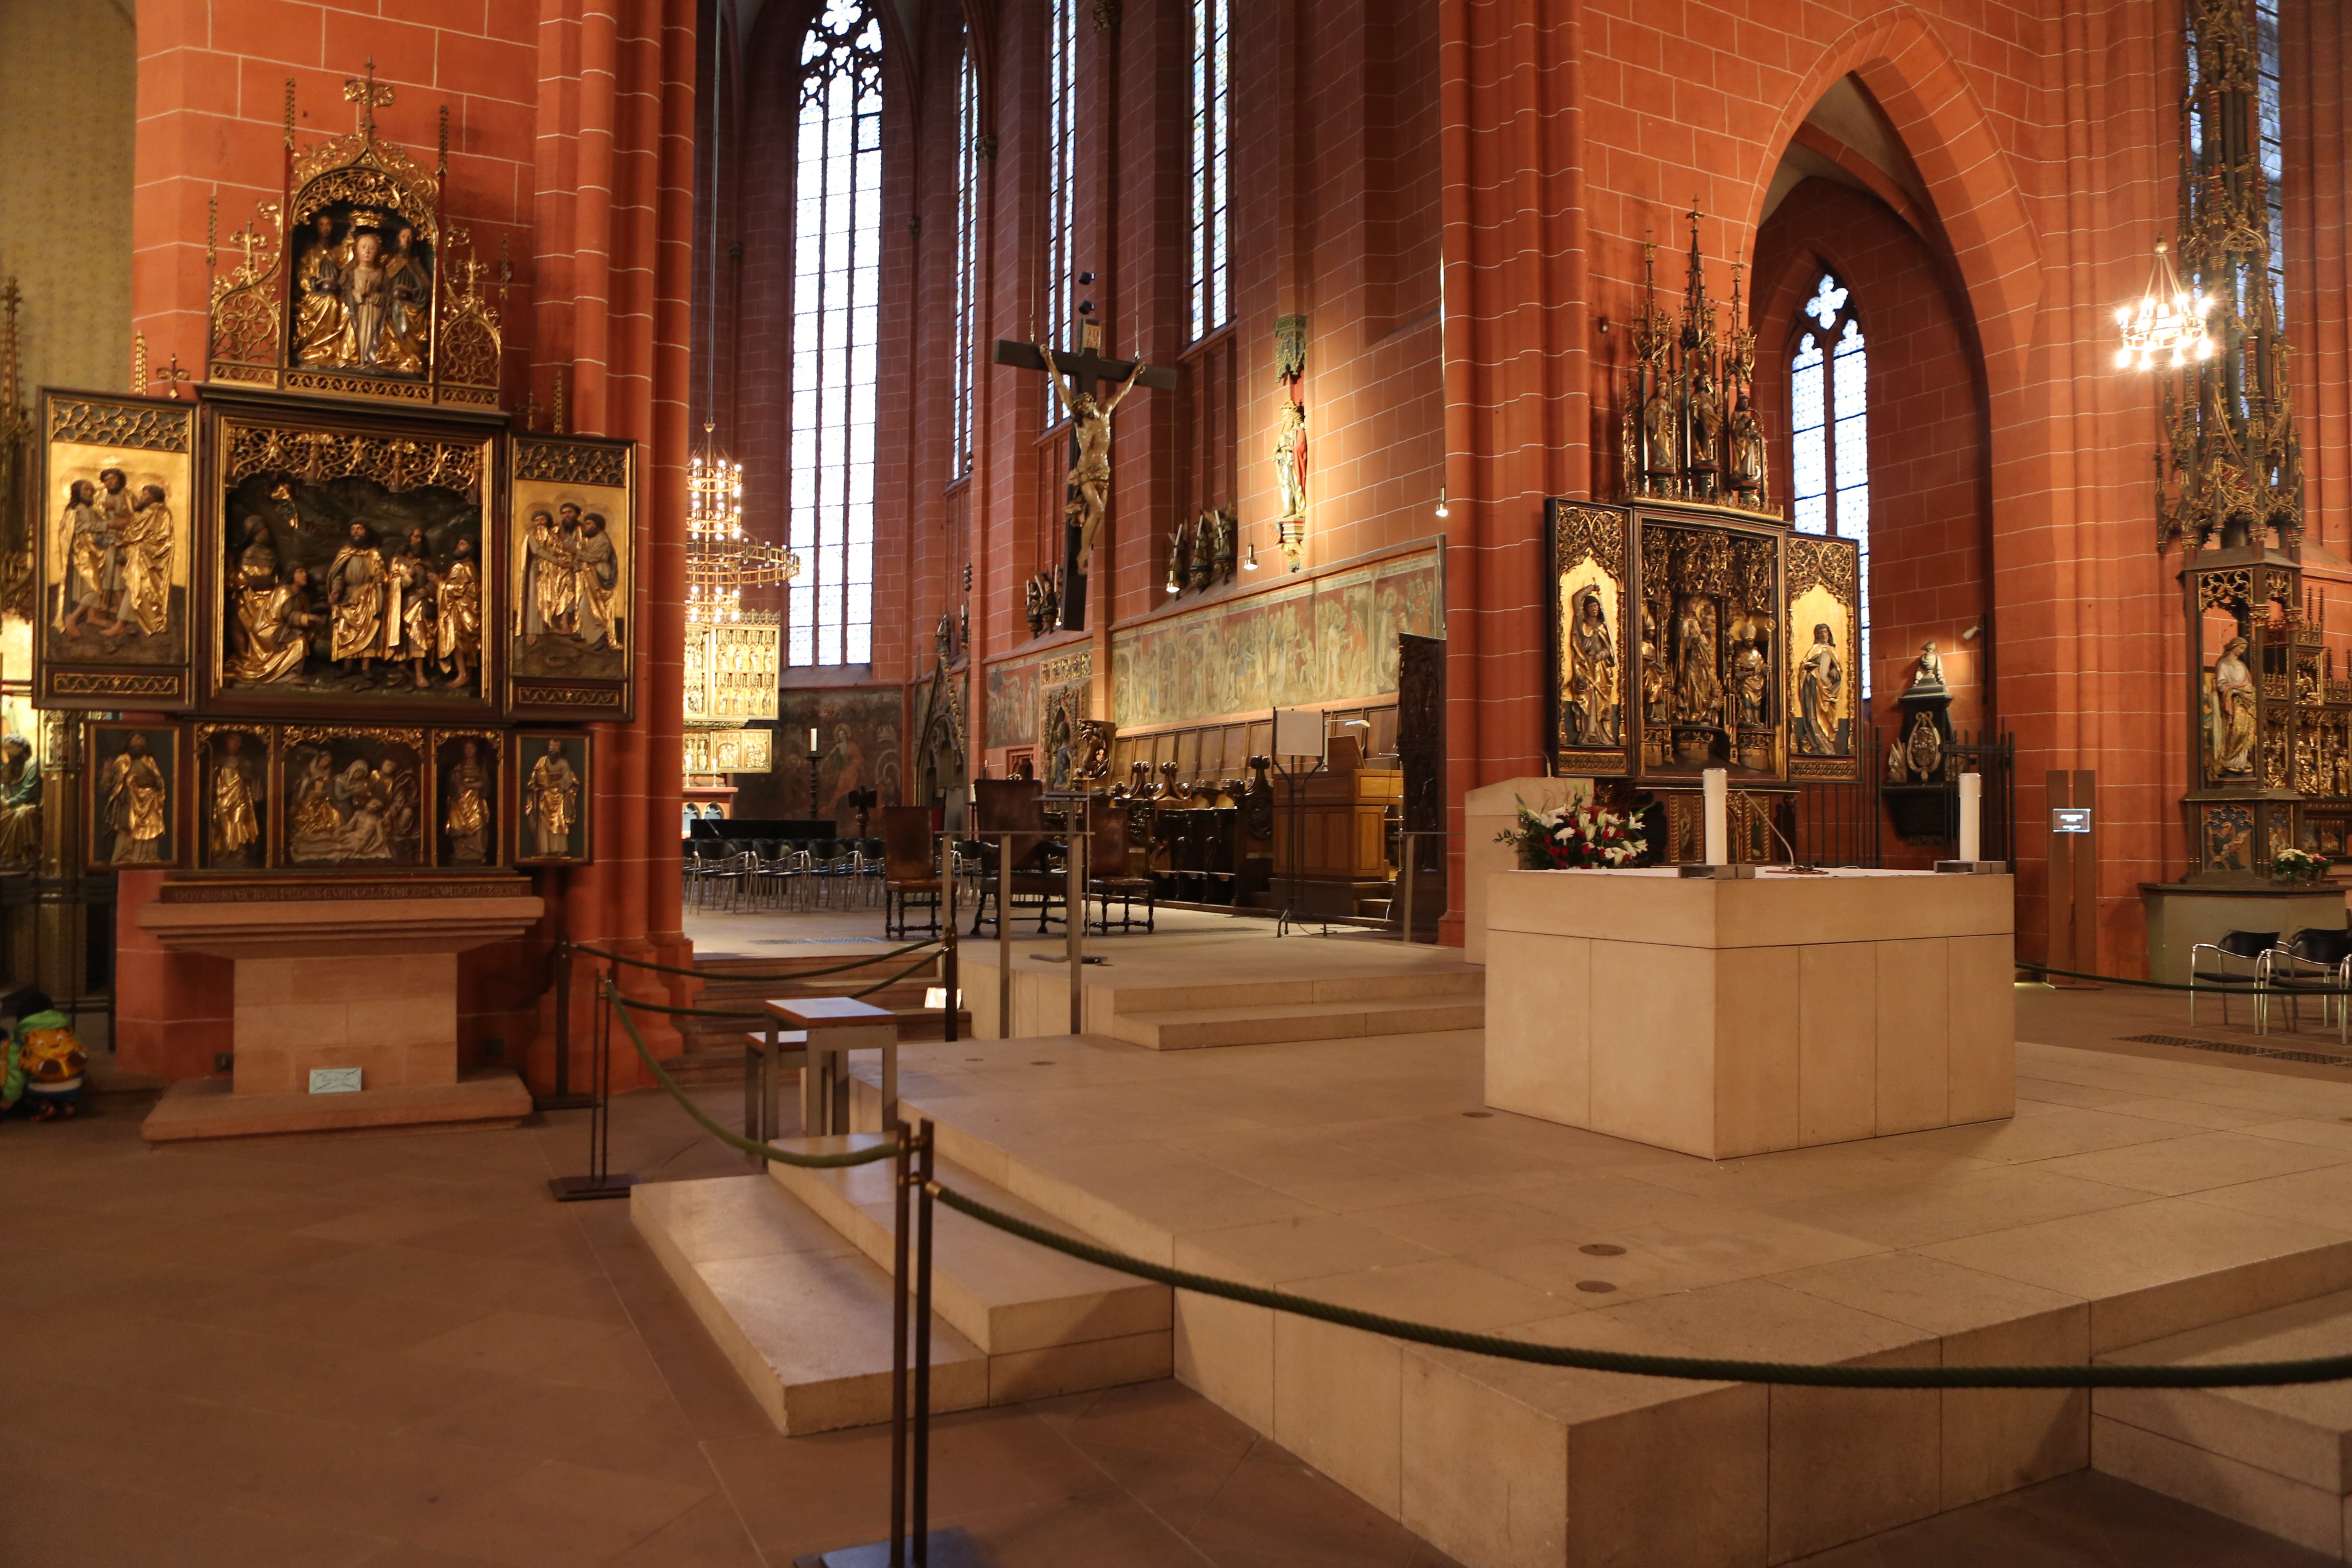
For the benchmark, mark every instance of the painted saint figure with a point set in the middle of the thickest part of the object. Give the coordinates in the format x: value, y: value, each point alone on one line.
x: 234, y: 817
x: 133, y: 804
x: 1698, y: 687
x: 550, y: 802
x: 468, y: 822
x: 319, y: 318
x: 356, y: 582
x: 90, y: 558
x: 20, y: 802
x: 460, y: 631
x: 597, y: 569
x: 2232, y: 732
x: 1290, y: 459
x: 1821, y: 690
x: 145, y: 547
x: 1592, y: 660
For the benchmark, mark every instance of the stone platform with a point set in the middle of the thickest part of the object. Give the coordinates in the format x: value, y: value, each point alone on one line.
x: 1228, y: 981
x: 2129, y: 1201
x: 210, y: 1108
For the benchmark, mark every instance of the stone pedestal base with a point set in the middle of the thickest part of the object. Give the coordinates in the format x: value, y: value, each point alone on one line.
x: 357, y: 974
x: 1730, y: 1018
x: 2182, y: 914
x: 206, y: 1107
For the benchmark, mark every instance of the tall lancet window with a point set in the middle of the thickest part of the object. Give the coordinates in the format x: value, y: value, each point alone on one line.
x: 1061, y: 302
x: 2270, y: 131
x: 836, y: 297
x: 1213, y: 294
x: 1829, y: 422
x: 967, y: 252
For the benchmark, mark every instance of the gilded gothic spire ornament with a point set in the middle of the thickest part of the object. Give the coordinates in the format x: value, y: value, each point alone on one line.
x: 2229, y: 463
x: 1687, y: 427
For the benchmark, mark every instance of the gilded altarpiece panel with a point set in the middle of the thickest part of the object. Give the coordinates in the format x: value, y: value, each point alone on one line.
x: 572, y: 561
x: 352, y: 796
x: 132, y: 783
x: 349, y: 558
x: 1595, y: 691
x: 115, y: 615
x: 468, y: 809
x: 236, y: 792
x: 1824, y: 632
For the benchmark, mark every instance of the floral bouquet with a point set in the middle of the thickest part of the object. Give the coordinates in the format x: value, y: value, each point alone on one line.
x: 2298, y: 865
x: 1573, y: 836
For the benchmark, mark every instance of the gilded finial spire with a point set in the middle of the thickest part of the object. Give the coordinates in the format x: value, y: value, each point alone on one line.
x: 370, y: 96
x: 290, y: 114
x: 138, y: 364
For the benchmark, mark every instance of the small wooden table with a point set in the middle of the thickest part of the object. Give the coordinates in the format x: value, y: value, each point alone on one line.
x: 834, y: 1026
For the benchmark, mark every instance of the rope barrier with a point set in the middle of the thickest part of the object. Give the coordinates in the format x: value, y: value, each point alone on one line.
x: 717, y: 975
x: 2248, y: 985
x: 742, y: 1013
x: 1704, y: 1369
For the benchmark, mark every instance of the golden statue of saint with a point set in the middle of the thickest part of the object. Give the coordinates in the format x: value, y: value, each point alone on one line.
x: 550, y: 800
x: 90, y: 576
x: 355, y: 593
x: 552, y: 576
x: 316, y: 822
x: 468, y: 822
x: 273, y: 629
x: 145, y: 548
x: 133, y: 803
x: 20, y: 802
x: 461, y: 616
x: 236, y: 816
x: 1090, y: 475
x: 598, y: 575
x: 408, y: 304
x: 319, y: 320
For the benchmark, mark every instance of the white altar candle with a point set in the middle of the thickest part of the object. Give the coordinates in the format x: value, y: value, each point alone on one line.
x: 1971, y: 806
x: 1718, y: 817
x: 811, y: 738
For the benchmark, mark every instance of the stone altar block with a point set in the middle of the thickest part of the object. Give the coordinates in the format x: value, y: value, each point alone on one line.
x: 1491, y: 809
x: 1722, y: 1018
x: 340, y: 975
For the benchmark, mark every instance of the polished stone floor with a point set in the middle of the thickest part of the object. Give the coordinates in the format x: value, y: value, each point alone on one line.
x: 396, y: 1351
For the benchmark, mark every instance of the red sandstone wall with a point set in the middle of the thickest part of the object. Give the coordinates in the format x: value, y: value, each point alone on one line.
x: 571, y: 137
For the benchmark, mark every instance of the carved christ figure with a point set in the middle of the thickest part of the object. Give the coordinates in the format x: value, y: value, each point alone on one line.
x: 1090, y: 475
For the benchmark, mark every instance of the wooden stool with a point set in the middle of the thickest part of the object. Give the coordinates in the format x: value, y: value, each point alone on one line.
x: 834, y: 1026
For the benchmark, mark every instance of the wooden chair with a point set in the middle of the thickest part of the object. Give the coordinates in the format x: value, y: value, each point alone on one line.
x: 1015, y: 806
x: 1110, y: 873
x: 910, y: 876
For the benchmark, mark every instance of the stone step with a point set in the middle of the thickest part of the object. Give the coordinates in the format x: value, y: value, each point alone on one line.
x: 1454, y: 983
x: 802, y: 1316
x: 2277, y: 1459
x: 1081, y: 1326
x: 1193, y: 1029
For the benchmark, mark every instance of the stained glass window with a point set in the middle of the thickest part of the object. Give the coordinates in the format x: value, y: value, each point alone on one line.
x: 1061, y: 303
x: 1212, y: 167
x: 2268, y: 127
x: 967, y: 240
x: 1829, y: 426
x: 836, y: 257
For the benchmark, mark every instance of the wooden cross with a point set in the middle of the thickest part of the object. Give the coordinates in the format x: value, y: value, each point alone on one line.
x: 370, y: 96
x: 1087, y: 369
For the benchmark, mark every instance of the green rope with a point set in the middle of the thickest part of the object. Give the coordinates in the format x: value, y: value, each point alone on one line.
x: 2233, y: 1374
x: 884, y: 1151
x: 2240, y: 985
x: 894, y: 980
x: 716, y: 975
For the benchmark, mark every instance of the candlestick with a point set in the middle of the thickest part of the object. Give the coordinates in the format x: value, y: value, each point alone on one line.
x: 1972, y: 816
x: 1719, y: 816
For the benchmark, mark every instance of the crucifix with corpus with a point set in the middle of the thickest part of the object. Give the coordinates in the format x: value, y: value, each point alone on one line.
x: 1086, y: 493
